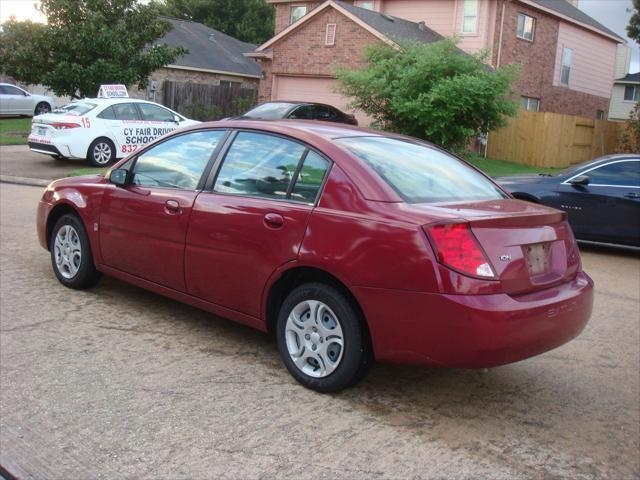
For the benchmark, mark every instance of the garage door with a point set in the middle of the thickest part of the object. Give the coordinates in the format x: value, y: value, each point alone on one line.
x: 313, y: 89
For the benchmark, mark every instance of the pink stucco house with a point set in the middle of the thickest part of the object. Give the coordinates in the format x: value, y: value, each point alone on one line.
x: 567, y: 57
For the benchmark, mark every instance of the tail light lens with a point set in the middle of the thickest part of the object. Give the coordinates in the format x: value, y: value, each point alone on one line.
x: 457, y: 248
x: 64, y: 126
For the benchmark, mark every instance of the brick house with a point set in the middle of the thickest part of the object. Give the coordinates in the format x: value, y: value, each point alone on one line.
x: 567, y: 57
x: 212, y: 58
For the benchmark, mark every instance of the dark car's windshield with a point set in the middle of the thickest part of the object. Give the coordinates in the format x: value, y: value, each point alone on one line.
x: 419, y: 173
x: 270, y: 111
x: 75, y: 108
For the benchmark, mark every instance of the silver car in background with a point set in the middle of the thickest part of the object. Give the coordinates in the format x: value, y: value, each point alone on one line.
x: 16, y: 101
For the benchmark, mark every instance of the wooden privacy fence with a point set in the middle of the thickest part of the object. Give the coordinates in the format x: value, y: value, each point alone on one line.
x: 545, y: 139
x: 207, y: 102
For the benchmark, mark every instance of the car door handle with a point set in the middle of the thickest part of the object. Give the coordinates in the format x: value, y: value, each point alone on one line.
x: 172, y: 207
x: 632, y: 195
x: 274, y: 220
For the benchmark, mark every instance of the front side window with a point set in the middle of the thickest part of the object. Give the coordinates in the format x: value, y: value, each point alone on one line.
x: 178, y: 162
x: 259, y: 165
x: 125, y: 111
x: 155, y: 113
x: 567, y: 60
x: 530, y: 103
x: 297, y: 12
x: 526, y: 27
x: 619, y: 174
x: 420, y: 173
x: 470, y: 16
x: 632, y: 93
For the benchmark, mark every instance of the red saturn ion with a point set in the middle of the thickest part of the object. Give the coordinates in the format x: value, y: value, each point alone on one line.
x: 349, y: 244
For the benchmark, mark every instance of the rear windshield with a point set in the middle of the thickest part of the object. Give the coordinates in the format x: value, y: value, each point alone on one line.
x: 269, y: 111
x: 419, y: 173
x: 75, y: 108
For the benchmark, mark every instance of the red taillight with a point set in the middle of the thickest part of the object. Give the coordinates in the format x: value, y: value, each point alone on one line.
x: 64, y: 126
x: 457, y: 248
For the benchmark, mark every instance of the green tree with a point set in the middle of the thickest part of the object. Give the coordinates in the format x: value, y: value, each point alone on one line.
x: 633, y: 29
x: 629, y: 140
x: 247, y: 20
x: 431, y: 91
x: 86, y: 43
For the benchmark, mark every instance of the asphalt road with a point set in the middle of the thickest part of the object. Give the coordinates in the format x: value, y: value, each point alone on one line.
x: 19, y: 161
x: 116, y: 382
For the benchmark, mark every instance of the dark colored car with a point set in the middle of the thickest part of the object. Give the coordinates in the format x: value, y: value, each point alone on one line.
x: 299, y: 111
x: 601, y: 197
x: 349, y: 244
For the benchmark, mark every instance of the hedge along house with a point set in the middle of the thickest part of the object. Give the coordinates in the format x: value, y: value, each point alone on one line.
x: 213, y: 58
x: 299, y: 62
x: 567, y: 57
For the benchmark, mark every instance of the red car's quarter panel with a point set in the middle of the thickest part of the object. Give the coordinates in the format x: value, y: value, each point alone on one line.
x: 232, y: 249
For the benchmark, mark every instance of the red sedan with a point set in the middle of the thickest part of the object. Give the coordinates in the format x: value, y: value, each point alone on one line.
x: 349, y: 244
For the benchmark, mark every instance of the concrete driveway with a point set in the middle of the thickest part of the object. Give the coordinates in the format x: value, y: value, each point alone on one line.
x: 116, y: 382
x: 19, y: 161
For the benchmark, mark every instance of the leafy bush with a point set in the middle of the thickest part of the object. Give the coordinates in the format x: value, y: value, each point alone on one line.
x: 432, y: 91
x: 629, y: 141
x: 204, y: 113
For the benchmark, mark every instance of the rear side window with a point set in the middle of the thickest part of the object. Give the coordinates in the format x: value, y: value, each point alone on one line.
x: 107, y: 114
x: 178, y: 162
x: 310, y: 178
x: 9, y: 90
x: 259, y: 165
x: 619, y: 174
x: 419, y: 173
x: 125, y: 111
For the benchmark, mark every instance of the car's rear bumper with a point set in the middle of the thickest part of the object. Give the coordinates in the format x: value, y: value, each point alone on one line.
x: 474, y: 331
x: 46, y: 148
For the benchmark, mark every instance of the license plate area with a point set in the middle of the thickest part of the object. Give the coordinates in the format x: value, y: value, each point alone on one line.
x: 537, y: 256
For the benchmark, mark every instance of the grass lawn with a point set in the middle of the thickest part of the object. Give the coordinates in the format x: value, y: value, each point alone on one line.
x: 86, y: 171
x: 498, y: 168
x: 14, y: 131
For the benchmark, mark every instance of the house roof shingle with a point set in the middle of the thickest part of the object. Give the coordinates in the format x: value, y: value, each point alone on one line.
x: 209, y: 49
x: 394, y: 28
x: 629, y: 78
x: 566, y: 9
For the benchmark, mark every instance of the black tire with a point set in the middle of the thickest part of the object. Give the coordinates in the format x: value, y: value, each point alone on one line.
x: 86, y: 275
x: 356, y: 351
x: 42, y: 108
x: 102, y: 152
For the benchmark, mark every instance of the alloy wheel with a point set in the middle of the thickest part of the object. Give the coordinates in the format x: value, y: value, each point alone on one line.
x: 102, y: 153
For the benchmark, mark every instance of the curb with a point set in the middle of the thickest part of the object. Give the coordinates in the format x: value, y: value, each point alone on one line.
x: 34, y: 182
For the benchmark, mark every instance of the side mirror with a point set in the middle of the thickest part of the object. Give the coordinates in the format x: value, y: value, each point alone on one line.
x: 581, y: 180
x: 177, y: 119
x: 119, y: 177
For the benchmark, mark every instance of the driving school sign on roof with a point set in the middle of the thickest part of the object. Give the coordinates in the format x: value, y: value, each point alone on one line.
x: 113, y: 91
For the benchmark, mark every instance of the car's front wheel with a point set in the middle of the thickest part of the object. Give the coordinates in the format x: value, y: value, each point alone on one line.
x: 42, y: 108
x: 322, y: 339
x: 71, y: 254
x: 101, y: 152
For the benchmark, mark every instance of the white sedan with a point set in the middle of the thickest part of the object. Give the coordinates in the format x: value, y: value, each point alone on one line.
x: 16, y: 101
x: 102, y: 129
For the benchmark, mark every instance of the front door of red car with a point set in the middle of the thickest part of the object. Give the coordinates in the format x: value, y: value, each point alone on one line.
x: 143, y: 225
x: 254, y: 219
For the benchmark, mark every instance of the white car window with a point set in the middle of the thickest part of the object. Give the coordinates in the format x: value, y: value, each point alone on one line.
x: 75, y: 108
x: 125, y: 111
x: 155, y: 113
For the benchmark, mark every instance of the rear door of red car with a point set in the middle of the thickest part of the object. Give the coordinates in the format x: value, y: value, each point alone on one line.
x: 143, y: 226
x: 252, y: 220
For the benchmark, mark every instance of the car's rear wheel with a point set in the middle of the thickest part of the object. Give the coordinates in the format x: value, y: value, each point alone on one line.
x: 71, y: 254
x: 42, y: 108
x: 321, y: 338
x: 101, y: 152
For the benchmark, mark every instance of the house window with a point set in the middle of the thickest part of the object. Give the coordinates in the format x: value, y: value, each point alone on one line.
x: 370, y: 5
x: 526, y: 27
x: 330, y: 37
x: 230, y: 84
x: 530, y: 103
x: 632, y: 93
x: 600, y: 115
x: 470, y: 16
x: 565, y: 74
x: 297, y: 12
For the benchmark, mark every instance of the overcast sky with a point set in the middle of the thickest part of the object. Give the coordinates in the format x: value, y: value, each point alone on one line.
x: 614, y: 14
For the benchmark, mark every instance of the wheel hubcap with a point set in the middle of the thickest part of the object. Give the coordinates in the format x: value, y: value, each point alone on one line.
x: 314, y: 338
x: 67, y: 251
x: 102, y: 153
x: 42, y: 109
